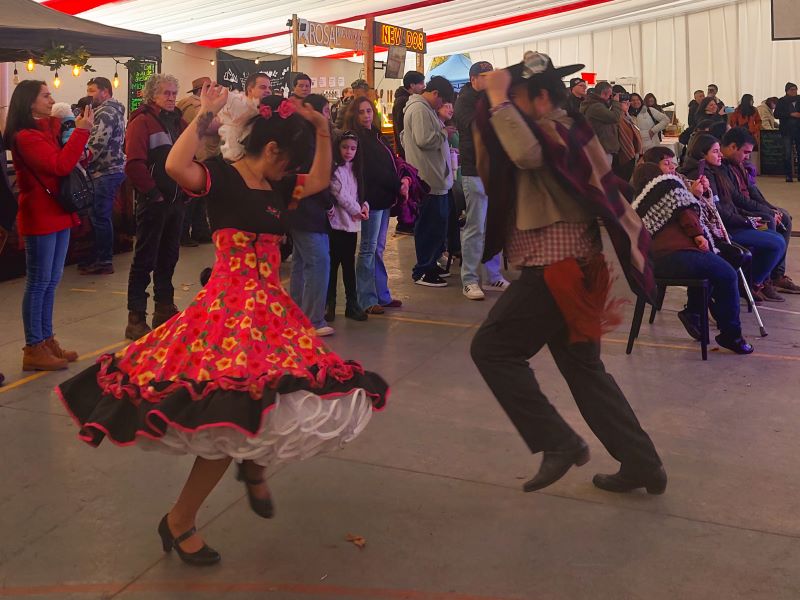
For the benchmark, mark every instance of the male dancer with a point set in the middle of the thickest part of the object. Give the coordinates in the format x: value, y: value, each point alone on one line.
x: 548, y: 181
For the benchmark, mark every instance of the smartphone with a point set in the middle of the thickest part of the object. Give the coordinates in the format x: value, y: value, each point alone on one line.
x: 729, y: 110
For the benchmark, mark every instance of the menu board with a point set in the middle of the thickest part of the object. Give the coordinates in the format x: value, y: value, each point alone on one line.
x: 391, y: 35
x: 138, y: 74
x: 771, y: 153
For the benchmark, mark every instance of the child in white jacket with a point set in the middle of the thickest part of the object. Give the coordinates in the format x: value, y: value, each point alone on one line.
x: 346, y: 215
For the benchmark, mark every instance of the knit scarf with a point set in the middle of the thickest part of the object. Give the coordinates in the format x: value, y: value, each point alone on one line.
x: 661, y: 199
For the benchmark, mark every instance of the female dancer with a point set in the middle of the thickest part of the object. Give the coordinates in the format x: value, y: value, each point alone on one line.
x: 240, y: 374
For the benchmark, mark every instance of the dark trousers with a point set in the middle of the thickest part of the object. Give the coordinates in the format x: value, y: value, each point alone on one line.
x: 158, y: 242
x: 785, y: 231
x: 105, y: 191
x: 623, y: 170
x: 790, y: 141
x: 430, y: 233
x: 195, y: 221
x: 692, y: 264
x: 524, y: 319
x: 343, y: 252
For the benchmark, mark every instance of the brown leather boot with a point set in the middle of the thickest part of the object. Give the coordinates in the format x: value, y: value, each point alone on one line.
x: 137, y: 325
x: 163, y: 313
x: 39, y: 358
x: 57, y: 351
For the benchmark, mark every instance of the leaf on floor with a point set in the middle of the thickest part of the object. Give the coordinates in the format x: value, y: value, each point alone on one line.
x: 356, y: 540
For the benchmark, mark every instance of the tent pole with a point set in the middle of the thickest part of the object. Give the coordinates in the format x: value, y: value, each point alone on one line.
x: 420, y: 60
x: 295, y: 35
x: 369, y: 52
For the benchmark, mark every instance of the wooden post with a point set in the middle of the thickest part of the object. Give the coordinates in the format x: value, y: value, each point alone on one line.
x: 295, y: 35
x: 369, y: 52
x: 420, y: 60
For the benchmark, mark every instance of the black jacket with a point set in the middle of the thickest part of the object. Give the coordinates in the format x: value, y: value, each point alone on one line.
x: 464, y: 117
x: 692, y: 120
x: 401, y: 97
x: 380, y: 174
x: 573, y: 106
x: 786, y: 106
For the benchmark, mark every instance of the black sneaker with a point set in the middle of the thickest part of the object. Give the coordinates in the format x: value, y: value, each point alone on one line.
x: 443, y: 273
x: 431, y: 280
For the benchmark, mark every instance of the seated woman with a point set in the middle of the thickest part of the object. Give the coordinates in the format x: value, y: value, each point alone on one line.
x: 683, y: 247
x: 767, y: 247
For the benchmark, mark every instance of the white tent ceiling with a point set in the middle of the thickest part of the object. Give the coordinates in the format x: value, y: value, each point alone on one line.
x: 451, y: 25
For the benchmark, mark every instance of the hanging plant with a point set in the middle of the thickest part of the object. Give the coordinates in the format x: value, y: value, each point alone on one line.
x: 59, y: 56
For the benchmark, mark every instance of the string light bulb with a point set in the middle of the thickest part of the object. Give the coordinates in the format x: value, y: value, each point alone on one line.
x: 57, y: 81
x: 16, y: 75
x: 76, y: 70
x: 213, y: 62
x: 30, y: 65
x: 258, y: 60
x: 115, y: 83
x: 169, y: 47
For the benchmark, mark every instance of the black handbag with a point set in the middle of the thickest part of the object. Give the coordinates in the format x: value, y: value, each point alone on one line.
x: 735, y: 255
x: 75, y: 191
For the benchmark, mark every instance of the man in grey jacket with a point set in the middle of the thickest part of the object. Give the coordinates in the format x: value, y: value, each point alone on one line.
x: 107, y: 170
x: 603, y: 113
x: 424, y: 139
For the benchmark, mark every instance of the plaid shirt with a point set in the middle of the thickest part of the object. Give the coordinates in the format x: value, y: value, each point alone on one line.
x: 551, y: 244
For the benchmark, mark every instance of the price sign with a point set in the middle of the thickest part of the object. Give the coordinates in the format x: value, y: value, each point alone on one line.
x: 392, y: 35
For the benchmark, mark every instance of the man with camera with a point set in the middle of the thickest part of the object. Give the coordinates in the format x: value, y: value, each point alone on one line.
x: 603, y: 113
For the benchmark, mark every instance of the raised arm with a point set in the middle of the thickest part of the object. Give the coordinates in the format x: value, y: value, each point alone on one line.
x: 180, y: 162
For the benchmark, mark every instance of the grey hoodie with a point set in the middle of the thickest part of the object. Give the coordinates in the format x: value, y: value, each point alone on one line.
x: 107, y: 140
x: 425, y: 142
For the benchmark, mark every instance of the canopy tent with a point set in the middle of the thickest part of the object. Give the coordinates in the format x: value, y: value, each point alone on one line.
x: 455, y: 69
x: 28, y: 29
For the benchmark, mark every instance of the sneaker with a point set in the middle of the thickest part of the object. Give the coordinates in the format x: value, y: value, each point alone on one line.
x: 325, y: 331
x: 431, y: 280
x: 501, y: 285
x: 473, y: 292
x: 786, y: 285
x: 443, y: 273
x: 770, y: 294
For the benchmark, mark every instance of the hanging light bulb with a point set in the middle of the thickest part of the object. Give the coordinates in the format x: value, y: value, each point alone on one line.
x: 76, y: 70
x: 16, y: 75
x: 258, y: 60
x: 213, y: 62
x: 30, y: 65
x: 169, y: 47
x: 115, y: 83
x: 57, y: 81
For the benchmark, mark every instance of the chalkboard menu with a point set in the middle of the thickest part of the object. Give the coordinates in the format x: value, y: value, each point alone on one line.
x: 138, y: 75
x: 772, y: 154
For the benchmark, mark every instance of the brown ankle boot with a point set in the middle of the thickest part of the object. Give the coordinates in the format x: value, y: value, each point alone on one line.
x: 57, y: 351
x: 137, y: 325
x: 39, y: 358
x: 163, y: 313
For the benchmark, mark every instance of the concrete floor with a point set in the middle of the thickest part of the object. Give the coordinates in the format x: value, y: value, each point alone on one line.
x: 433, y: 484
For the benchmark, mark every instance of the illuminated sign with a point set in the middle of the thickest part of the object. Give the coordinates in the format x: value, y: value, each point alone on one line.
x: 392, y: 35
x: 332, y: 36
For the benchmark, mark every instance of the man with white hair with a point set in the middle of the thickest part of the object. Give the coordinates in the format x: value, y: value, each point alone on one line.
x: 151, y: 132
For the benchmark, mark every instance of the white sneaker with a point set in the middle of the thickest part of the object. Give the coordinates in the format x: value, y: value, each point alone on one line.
x: 325, y: 331
x: 473, y: 291
x: 501, y: 285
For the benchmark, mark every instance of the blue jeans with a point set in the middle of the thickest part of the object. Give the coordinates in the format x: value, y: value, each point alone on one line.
x: 367, y: 265
x: 691, y: 264
x: 768, y: 248
x: 311, y: 269
x: 381, y: 276
x: 430, y: 233
x: 105, y: 190
x: 473, y: 234
x: 44, y: 257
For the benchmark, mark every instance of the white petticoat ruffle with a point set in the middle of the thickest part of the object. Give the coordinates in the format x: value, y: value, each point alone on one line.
x: 300, y: 426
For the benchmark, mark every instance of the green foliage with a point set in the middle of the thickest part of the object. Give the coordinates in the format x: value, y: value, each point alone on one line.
x: 60, y: 57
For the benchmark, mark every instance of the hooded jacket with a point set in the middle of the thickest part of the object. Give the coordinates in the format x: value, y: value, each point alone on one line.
x: 149, y: 138
x: 425, y: 142
x: 604, y: 120
x: 107, y: 140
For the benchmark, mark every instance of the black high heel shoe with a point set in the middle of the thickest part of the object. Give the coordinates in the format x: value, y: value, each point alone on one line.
x: 263, y: 507
x: 204, y: 557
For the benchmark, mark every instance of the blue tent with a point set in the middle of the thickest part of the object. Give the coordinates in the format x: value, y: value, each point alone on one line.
x: 455, y: 69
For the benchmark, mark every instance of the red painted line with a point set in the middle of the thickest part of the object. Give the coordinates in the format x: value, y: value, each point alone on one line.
x: 224, y: 42
x: 488, y: 25
x: 221, y: 587
x: 73, y: 7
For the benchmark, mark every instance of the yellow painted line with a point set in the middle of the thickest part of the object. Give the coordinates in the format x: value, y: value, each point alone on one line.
x: 427, y: 322
x: 120, y: 293
x: 35, y: 376
x: 83, y: 290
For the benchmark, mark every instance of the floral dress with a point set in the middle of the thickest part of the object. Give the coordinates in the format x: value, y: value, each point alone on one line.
x: 240, y: 372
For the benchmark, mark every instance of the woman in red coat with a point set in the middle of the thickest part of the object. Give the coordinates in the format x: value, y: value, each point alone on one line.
x: 41, y: 163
